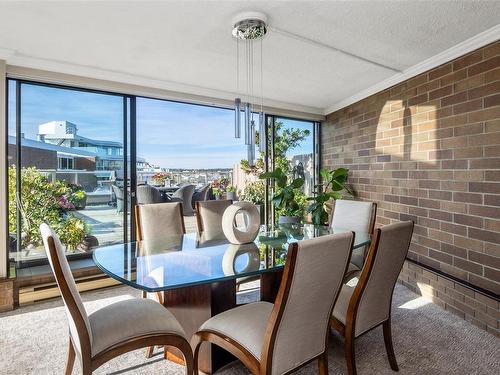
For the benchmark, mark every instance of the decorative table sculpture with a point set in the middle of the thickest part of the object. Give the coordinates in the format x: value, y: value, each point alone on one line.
x: 239, y: 235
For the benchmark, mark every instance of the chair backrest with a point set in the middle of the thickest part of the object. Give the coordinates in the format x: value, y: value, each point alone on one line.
x: 209, y: 217
x: 79, y: 325
x: 201, y: 194
x: 357, y: 216
x: 186, y: 194
x: 148, y: 194
x: 298, y: 327
x: 118, y: 192
x: 372, y: 298
x: 158, y: 220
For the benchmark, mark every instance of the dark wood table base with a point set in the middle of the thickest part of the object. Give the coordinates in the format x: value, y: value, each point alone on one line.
x: 192, y: 306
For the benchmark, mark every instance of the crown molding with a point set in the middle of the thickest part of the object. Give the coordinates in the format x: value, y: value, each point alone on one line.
x: 461, y: 49
x: 205, y: 95
x: 6, y: 53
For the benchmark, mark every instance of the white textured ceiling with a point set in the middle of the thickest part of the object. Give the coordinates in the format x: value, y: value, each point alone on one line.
x: 187, y: 45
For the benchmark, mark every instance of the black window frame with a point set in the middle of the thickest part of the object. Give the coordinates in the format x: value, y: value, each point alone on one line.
x: 129, y: 155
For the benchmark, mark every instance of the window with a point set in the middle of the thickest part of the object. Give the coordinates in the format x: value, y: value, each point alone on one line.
x: 57, y: 182
x: 294, y: 150
x: 295, y: 153
x: 180, y: 143
x: 65, y: 163
x: 63, y: 169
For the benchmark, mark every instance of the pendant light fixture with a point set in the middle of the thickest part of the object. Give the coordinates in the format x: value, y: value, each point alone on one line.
x: 249, y: 29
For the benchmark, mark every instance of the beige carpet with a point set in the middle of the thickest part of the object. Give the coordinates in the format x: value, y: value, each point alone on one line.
x: 427, y: 340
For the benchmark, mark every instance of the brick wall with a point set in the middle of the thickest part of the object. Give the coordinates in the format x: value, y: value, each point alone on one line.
x: 30, y: 157
x: 6, y: 294
x: 428, y: 150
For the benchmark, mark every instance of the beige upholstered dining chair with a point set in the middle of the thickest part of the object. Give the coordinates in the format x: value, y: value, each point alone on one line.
x: 114, y: 329
x: 154, y: 222
x: 367, y: 305
x: 209, y: 217
x: 278, y: 338
x: 359, y: 217
x: 209, y: 222
x: 159, y: 220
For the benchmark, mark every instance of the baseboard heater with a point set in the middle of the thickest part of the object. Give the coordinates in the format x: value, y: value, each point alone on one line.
x: 41, y: 292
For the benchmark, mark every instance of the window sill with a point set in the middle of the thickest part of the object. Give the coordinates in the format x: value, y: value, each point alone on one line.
x: 42, y: 274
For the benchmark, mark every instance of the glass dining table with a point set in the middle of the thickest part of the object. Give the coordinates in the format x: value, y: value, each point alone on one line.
x: 195, y: 275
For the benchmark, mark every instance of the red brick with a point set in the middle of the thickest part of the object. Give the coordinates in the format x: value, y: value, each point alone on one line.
x: 439, y: 93
x: 467, y: 60
x: 482, y: 91
x: 468, y: 266
x: 485, y: 211
x: 469, y: 106
x: 484, y: 66
x: 441, y: 71
x: 491, y: 101
x: 485, y: 187
x: 492, y: 200
x: 484, y: 235
x: 467, y: 197
x: 454, y: 99
x: 472, y: 221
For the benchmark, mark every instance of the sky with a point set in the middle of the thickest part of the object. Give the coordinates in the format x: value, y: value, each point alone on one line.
x: 169, y: 134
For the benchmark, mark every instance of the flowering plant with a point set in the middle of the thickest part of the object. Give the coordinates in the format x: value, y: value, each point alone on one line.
x: 64, y: 202
x: 160, y: 178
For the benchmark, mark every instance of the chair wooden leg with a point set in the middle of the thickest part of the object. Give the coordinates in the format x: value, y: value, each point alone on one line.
x: 388, y: 345
x: 71, y: 359
x: 323, y: 364
x: 349, y: 353
x: 188, y: 359
x: 195, y: 358
x: 149, y: 351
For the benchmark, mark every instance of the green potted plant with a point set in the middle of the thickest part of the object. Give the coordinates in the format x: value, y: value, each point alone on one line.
x: 284, y: 197
x: 231, y: 193
x: 77, y: 196
x: 334, y: 184
x: 216, y: 188
x: 254, y: 192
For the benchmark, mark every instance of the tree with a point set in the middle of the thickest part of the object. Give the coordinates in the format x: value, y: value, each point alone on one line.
x: 285, y: 140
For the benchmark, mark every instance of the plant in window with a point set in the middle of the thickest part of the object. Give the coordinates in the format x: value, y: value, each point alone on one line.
x: 253, y: 192
x: 216, y: 187
x: 334, y: 184
x: 285, y: 196
x: 71, y: 231
x: 285, y: 140
x: 42, y: 201
x: 231, y: 192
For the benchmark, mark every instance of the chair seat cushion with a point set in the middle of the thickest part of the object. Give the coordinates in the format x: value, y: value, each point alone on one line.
x: 352, y: 271
x: 244, y: 324
x: 340, y: 309
x: 128, y: 319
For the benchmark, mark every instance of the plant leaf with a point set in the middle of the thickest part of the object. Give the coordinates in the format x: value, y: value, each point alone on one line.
x: 297, y: 183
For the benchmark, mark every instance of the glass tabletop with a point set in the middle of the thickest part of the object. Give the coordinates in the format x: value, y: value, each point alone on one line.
x: 190, y: 259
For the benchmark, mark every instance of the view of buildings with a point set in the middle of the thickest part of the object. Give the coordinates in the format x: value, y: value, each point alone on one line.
x: 76, y: 153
